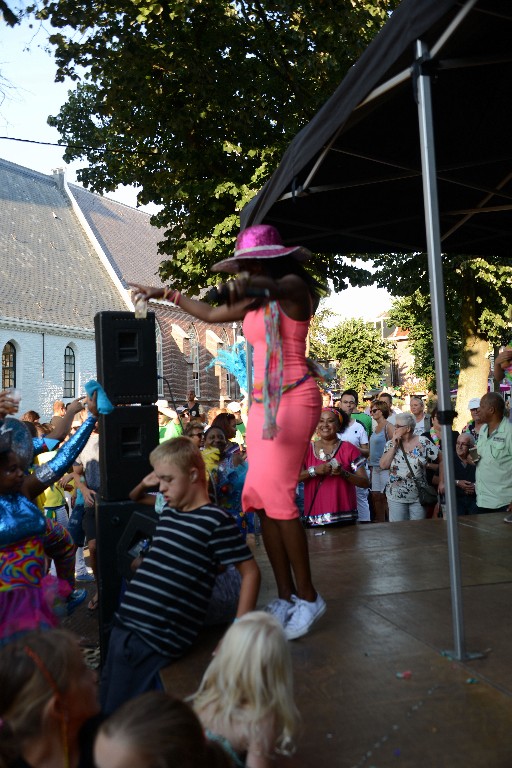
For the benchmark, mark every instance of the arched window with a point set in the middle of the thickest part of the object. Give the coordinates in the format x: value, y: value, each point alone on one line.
x: 69, y: 372
x: 194, y: 359
x: 8, y: 366
x: 159, y: 360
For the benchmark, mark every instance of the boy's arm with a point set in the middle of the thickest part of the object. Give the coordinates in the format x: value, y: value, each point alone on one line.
x: 141, y: 491
x: 250, y: 587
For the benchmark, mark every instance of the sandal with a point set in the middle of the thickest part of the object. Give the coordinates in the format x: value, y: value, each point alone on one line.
x: 92, y: 605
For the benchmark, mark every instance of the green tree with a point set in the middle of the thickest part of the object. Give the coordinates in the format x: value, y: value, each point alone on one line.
x: 360, y: 352
x: 478, y: 293
x: 413, y: 314
x: 318, y: 334
x: 195, y: 101
x: 7, y: 14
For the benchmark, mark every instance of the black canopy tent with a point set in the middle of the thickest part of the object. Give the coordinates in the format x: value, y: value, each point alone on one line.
x: 364, y: 175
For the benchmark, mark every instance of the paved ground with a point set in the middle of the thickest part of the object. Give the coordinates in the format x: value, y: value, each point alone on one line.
x: 389, y: 613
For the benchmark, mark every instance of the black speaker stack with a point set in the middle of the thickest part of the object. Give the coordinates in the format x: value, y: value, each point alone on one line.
x: 126, y: 365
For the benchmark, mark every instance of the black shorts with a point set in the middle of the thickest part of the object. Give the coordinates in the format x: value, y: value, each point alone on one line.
x: 89, y: 523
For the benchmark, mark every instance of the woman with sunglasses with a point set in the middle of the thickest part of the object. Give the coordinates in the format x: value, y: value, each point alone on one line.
x: 381, y: 433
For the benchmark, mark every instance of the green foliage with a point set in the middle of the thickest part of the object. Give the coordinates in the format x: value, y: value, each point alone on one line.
x: 488, y: 280
x: 7, y: 14
x: 318, y: 334
x: 413, y: 314
x: 196, y: 100
x: 360, y: 352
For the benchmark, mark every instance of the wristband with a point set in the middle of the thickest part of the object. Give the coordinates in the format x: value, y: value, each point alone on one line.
x: 311, y: 471
x: 172, y: 295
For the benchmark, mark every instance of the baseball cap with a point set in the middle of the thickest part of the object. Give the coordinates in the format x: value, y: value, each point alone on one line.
x: 474, y: 403
x: 233, y: 407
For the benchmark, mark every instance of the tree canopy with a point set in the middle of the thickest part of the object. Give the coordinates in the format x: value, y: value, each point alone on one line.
x: 195, y: 101
x: 413, y: 313
x: 7, y: 14
x: 360, y: 352
x: 478, y: 293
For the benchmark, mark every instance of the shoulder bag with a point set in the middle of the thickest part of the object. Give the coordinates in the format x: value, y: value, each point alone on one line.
x: 427, y: 494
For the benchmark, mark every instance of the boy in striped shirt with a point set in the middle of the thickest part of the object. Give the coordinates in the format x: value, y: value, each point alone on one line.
x: 165, y: 603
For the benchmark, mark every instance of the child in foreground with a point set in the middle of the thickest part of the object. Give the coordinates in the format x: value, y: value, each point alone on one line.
x: 156, y: 731
x: 245, y: 700
x: 165, y: 603
x: 49, y: 709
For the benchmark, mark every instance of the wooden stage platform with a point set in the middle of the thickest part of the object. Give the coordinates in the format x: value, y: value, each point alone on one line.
x: 389, y: 613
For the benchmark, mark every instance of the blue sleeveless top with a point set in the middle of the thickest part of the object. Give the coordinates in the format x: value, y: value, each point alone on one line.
x: 377, y: 442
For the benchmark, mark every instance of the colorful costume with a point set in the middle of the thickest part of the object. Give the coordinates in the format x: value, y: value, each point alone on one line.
x: 274, y: 465
x: 27, y: 595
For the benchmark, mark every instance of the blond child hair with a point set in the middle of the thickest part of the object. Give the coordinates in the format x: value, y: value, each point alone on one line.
x: 182, y: 452
x: 247, y: 689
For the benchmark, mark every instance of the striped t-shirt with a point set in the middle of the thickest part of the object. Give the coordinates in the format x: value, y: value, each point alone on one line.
x: 166, y: 601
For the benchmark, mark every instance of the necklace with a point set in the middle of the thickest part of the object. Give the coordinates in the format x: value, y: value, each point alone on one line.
x: 328, y: 456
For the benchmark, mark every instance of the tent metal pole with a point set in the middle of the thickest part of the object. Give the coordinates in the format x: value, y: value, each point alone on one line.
x: 435, y: 268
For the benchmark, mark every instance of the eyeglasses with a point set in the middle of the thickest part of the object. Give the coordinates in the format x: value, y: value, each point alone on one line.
x: 464, y: 442
x: 400, y: 426
x: 374, y: 410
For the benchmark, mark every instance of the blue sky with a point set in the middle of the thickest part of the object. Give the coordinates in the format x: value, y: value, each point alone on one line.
x: 30, y: 95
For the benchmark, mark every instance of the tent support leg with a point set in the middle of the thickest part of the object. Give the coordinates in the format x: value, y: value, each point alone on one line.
x: 435, y: 268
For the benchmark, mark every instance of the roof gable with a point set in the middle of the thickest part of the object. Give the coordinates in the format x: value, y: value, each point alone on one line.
x: 49, y: 270
x: 126, y: 235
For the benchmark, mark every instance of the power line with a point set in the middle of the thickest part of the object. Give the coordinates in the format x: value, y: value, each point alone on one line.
x: 52, y: 143
x: 78, y: 146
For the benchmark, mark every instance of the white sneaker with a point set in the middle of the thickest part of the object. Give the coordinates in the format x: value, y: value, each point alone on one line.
x: 280, y: 609
x: 303, y: 616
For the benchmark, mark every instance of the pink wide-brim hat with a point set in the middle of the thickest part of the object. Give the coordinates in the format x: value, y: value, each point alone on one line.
x: 259, y: 242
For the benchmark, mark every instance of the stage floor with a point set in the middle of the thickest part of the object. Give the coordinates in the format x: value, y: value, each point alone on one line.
x: 387, y: 588
x: 389, y: 612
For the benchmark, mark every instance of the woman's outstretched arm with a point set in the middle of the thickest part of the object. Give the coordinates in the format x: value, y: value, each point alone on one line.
x: 195, y: 307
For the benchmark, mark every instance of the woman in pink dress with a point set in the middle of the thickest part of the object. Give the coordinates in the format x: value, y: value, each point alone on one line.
x: 333, y: 468
x: 285, y: 406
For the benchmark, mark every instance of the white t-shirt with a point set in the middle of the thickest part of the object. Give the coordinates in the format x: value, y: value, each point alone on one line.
x: 355, y: 433
x: 420, y: 427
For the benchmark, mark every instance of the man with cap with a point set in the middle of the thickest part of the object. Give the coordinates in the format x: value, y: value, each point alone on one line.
x: 475, y: 424
x: 169, y: 425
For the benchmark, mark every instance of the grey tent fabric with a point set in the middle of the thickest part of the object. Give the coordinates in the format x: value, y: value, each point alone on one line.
x: 351, y: 180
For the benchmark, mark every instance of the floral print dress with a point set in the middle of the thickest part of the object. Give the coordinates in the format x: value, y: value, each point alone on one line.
x: 401, y: 485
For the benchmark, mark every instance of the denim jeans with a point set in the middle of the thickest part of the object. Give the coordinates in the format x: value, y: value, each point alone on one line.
x: 405, y: 510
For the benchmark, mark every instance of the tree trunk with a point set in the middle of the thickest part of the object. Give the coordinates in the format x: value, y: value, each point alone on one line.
x: 474, y: 363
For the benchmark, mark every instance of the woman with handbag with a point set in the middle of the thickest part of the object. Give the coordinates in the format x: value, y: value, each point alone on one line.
x: 331, y: 473
x: 381, y: 433
x: 406, y: 456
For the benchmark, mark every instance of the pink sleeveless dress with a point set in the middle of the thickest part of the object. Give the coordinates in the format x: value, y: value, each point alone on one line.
x: 275, y: 465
